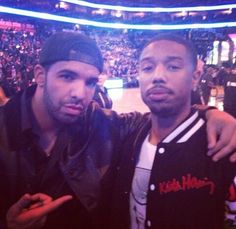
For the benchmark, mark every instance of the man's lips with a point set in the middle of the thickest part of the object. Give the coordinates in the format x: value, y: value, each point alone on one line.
x: 158, y: 93
x: 73, y: 109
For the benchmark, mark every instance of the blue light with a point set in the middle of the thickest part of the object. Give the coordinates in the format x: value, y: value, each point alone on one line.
x: 150, y: 9
x: 113, y: 25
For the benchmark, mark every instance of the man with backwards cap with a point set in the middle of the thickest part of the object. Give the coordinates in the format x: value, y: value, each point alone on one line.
x: 56, y: 147
x: 40, y: 129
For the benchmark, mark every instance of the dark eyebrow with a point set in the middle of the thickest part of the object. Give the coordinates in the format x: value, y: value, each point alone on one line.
x: 173, y: 58
x: 67, y: 71
x: 168, y: 58
x: 147, y: 59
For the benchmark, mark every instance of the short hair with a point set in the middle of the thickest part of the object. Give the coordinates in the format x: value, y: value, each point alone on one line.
x: 191, y: 49
x: 65, y: 46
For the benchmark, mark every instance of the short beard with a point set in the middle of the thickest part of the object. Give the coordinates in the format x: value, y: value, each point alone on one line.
x: 164, y: 112
x: 49, y: 105
x: 167, y: 110
x: 54, y: 112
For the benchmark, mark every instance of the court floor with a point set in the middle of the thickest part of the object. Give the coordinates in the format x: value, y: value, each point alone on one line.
x: 127, y: 100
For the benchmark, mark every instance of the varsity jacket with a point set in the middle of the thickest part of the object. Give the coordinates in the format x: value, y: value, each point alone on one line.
x: 186, y: 190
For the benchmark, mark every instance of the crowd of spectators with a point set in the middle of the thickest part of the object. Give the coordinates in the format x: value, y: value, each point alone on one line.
x: 120, y: 53
x: 19, y: 51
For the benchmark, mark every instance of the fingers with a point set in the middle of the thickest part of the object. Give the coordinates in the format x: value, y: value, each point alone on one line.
x: 31, y: 210
x: 21, y: 204
x: 221, y: 134
x: 24, y: 201
x: 48, y: 207
x: 223, y: 149
x: 222, y: 153
x: 38, y: 204
x: 211, y: 137
x: 58, y: 202
x: 41, y: 197
x: 218, y: 146
x: 233, y: 157
x: 223, y: 126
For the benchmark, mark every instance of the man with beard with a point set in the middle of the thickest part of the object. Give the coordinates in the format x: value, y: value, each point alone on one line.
x: 164, y: 178
x: 40, y: 131
x: 56, y: 147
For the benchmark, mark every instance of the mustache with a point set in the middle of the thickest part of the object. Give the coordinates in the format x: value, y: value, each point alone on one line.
x: 158, y: 88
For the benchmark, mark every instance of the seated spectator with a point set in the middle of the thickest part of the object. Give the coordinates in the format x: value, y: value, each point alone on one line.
x: 101, y: 94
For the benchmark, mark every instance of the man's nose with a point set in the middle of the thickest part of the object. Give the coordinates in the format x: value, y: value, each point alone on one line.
x: 78, y: 89
x: 159, y: 74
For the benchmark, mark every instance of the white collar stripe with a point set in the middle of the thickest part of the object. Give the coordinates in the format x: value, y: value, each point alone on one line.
x: 192, y: 131
x: 181, y: 128
x: 103, y: 102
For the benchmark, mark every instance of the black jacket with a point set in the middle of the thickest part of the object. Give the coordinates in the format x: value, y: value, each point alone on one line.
x: 102, y: 98
x: 79, y: 163
x: 186, y: 189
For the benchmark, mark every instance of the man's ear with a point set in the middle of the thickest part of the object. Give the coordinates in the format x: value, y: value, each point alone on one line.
x: 39, y: 75
x: 196, y: 79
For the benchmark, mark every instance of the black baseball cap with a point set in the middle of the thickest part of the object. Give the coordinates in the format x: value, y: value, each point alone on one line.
x: 65, y: 46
